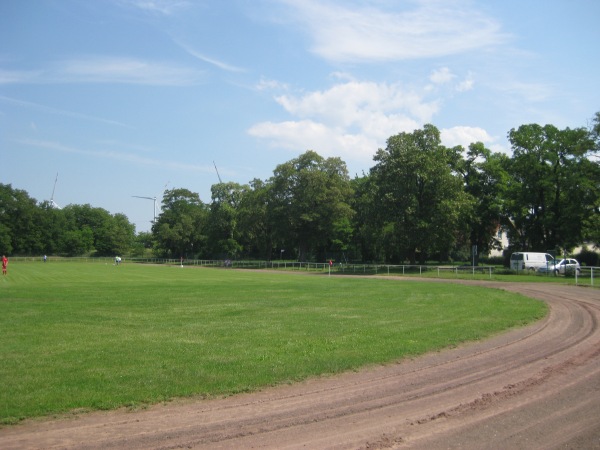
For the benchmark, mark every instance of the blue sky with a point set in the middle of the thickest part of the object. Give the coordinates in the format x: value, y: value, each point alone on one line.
x: 129, y: 97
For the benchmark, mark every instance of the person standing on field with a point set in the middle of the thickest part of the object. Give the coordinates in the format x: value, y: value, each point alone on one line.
x: 4, y: 264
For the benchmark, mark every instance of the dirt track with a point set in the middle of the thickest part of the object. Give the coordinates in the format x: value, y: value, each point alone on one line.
x: 537, y: 387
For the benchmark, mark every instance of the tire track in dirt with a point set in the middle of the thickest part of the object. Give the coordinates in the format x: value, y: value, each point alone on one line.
x: 534, y: 387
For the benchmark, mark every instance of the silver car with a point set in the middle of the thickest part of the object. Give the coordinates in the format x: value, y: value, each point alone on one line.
x: 567, y: 265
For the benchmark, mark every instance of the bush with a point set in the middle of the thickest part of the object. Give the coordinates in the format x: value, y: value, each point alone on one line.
x: 588, y: 258
x: 570, y: 272
x: 492, y: 260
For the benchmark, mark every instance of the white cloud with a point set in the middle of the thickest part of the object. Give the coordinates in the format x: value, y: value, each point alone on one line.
x: 442, y: 76
x: 466, y: 84
x: 309, y: 135
x: 343, y: 76
x: 271, y: 85
x: 346, y: 32
x: 349, y: 104
x: 351, y: 119
x: 465, y: 136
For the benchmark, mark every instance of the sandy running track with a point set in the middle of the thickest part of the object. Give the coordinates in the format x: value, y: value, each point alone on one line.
x: 534, y: 388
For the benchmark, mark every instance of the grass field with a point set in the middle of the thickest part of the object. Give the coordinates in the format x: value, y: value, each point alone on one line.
x: 84, y: 336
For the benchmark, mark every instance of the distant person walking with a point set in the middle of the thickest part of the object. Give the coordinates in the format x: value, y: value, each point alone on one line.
x: 4, y: 264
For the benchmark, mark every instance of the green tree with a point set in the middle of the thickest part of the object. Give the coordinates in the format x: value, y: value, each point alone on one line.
x: 309, y: 205
x: 143, y: 243
x: 485, y: 179
x: 256, y: 234
x: 80, y: 219
x: 115, y: 236
x: 222, y: 228
x: 180, y: 228
x: 54, y: 225
x: 553, y: 188
x: 78, y: 241
x: 591, y: 225
x: 370, y: 241
x: 6, y: 247
x: 420, y: 199
x: 20, y: 222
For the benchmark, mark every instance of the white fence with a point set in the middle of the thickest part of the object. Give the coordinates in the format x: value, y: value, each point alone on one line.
x: 587, y: 277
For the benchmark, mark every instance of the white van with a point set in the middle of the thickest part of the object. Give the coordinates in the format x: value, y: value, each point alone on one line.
x: 530, y: 261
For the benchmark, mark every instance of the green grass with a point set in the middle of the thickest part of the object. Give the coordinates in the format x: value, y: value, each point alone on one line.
x: 84, y: 336
x: 481, y: 273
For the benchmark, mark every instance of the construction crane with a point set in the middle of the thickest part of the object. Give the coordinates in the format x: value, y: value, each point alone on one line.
x: 217, y: 170
x: 52, y: 202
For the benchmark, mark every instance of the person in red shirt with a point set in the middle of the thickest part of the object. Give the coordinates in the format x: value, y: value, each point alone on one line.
x: 4, y: 264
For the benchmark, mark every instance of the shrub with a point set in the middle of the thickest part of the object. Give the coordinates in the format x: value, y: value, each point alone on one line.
x: 588, y: 258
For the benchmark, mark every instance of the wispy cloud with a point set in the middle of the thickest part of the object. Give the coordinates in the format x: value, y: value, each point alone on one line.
x: 126, y: 70
x: 466, y: 84
x: 18, y: 76
x: 106, y: 69
x: 531, y: 92
x: 113, y: 155
x: 157, y: 7
x: 215, y: 62
x: 442, y: 76
x: 445, y: 77
x: 345, y: 31
x: 271, y: 85
x: 61, y: 112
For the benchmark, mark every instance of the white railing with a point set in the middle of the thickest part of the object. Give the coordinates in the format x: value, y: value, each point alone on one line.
x: 588, y: 276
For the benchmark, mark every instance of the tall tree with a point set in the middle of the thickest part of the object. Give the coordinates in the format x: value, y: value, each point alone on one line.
x: 180, y: 227
x: 19, y: 222
x: 256, y: 233
x: 370, y: 241
x: 485, y: 179
x: 309, y: 205
x: 591, y: 225
x: 116, y: 236
x: 222, y: 230
x: 420, y: 198
x: 553, y: 188
x: 54, y: 225
x: 85, y: 219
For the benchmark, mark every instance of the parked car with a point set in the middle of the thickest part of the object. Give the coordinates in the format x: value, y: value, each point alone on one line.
x: 548, y: 268
x: 532, y: 261
x: 567, y: 265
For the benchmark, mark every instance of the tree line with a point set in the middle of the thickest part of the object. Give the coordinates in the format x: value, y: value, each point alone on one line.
x: 420, y: 201
x: 28, y: 227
